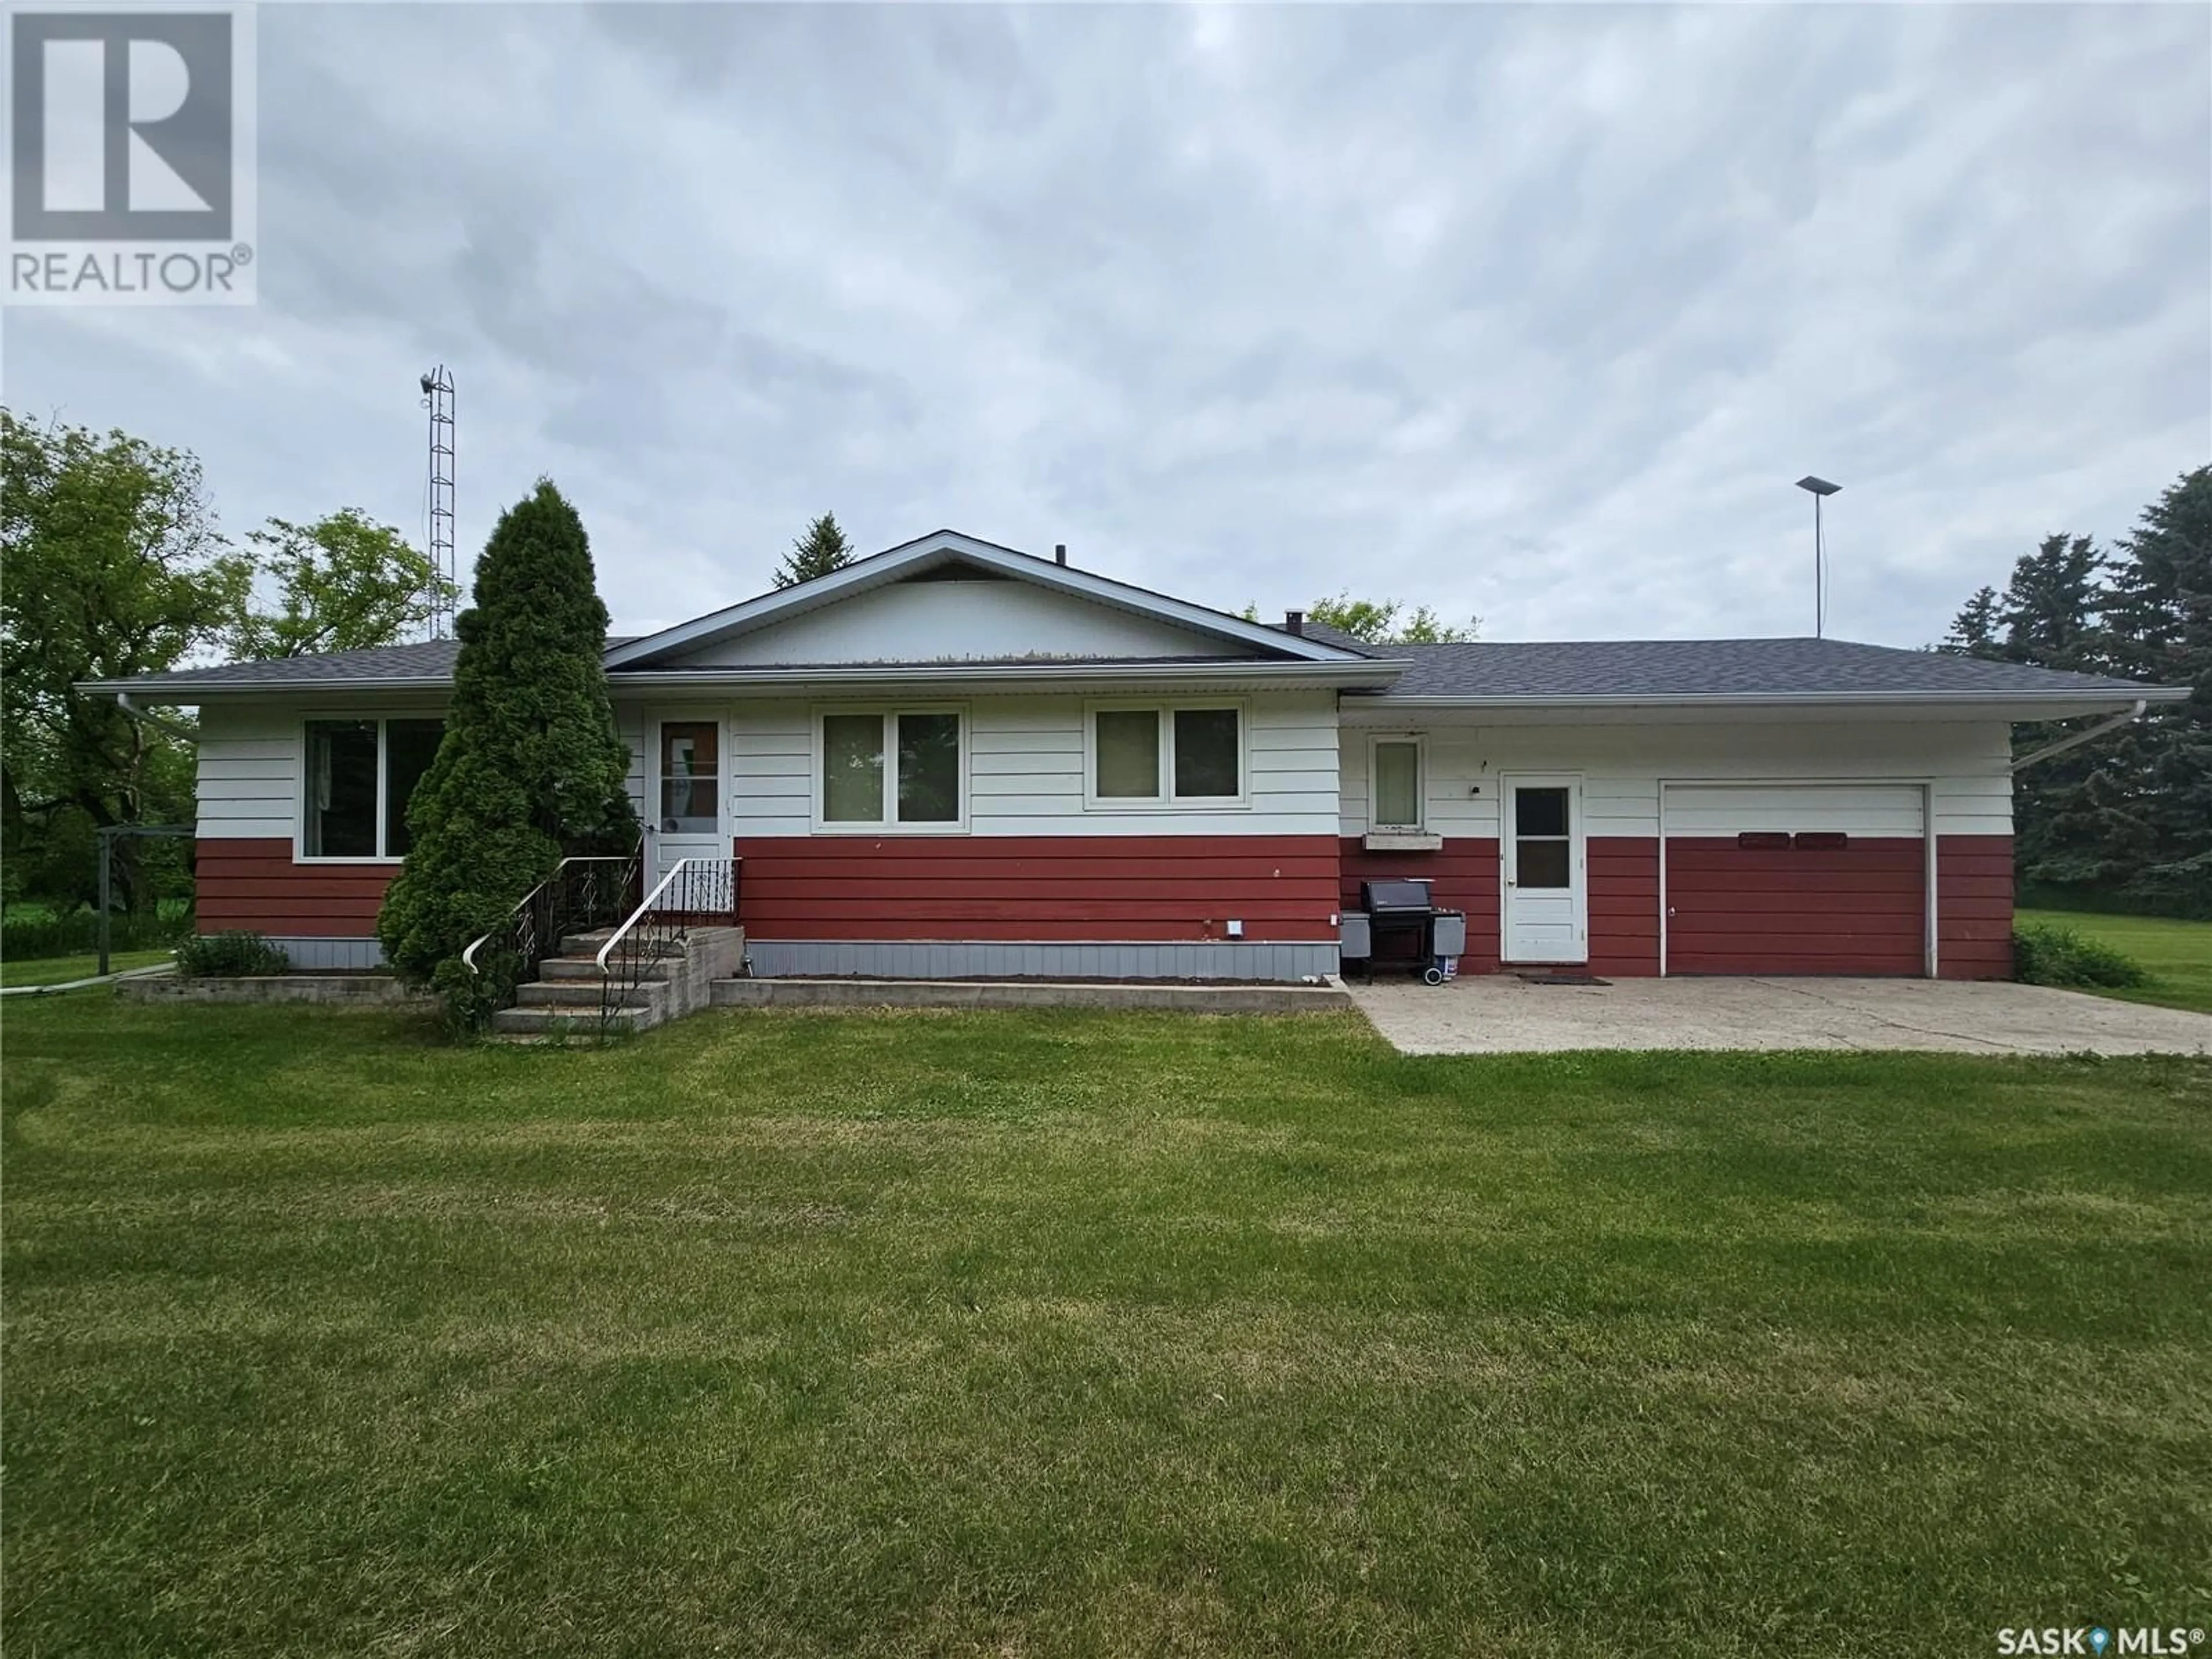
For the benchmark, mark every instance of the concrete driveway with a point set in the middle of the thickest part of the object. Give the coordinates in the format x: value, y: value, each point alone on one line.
x: 1502, y: 1013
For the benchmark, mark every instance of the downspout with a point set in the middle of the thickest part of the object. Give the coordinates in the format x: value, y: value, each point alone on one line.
x: 2114, y: 724
x: 147, y: 716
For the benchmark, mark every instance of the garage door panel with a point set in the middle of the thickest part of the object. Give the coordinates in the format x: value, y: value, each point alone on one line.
x: 1855, y: 809
x: 1857, y: 908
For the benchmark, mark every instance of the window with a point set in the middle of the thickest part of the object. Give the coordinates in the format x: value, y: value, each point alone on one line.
x: 409, y: 746
x: 1397, y: 784
x: 690, y: 769
x: 1541, y: 847
x: 361, y: 773
x: 1129, y: 754
x: 1206, y: 761
x: 892, y: 769
x: 1163, y: 754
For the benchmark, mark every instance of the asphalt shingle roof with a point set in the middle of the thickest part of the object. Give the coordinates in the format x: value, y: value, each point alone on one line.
x: 1478, y: 670
x: 1677, y: 668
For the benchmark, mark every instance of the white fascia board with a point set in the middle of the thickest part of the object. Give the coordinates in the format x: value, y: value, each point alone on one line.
x: 885, y: 567
x: 189, y: 691
x: 2033, y: 705
x: 1002, y: 677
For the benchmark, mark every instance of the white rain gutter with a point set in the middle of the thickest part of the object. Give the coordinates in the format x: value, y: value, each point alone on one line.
x: 147, y: 716
x: 769, y: 681
x: 2034, y: 756
x: 1938, y: 699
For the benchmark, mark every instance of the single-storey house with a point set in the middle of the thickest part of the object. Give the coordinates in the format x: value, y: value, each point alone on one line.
x: 956, y: 759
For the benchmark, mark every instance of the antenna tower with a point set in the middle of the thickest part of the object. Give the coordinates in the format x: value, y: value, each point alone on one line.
x: 438, y: 399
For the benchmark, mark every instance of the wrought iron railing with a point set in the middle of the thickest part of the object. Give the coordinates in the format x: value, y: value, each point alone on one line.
x: 580, y: 896
x: 695, y: 893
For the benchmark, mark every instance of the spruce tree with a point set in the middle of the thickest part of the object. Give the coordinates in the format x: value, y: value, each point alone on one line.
x: 2158, y: 615
x: 822, y: 550
x: 531, y: 767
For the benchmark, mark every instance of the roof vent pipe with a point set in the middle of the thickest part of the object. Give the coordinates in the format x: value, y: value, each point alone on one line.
x: 1294, y: 622
x: 1059, y: 552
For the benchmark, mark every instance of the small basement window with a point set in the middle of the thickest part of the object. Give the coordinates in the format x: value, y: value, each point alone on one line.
x: 360, y: 776
x: 1154, y: 755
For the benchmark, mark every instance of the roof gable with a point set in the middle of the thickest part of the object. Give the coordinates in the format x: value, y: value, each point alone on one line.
x: 947, y: 597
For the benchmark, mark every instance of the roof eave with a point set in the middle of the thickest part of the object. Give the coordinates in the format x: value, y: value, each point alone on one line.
x: 2115, y: 697
x: 1041, y: 676
x: 179, y: 691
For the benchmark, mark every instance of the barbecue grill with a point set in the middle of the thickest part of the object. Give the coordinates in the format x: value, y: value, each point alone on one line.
x: 1400, y: 909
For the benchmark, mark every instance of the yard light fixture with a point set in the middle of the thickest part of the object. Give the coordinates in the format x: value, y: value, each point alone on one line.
x: 1819, y: 487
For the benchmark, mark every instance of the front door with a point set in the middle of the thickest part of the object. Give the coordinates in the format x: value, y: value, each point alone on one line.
x: 687, y: 793
x: 1546, y: 908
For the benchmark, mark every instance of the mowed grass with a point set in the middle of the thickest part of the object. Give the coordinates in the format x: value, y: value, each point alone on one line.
x: 1065, y: 1333
x: 59, y: 970
x: 2177, y: 955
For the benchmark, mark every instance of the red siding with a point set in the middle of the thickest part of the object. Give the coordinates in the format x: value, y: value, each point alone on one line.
x: 1740, y: 910
x: 1623, y: 905
x: 256, y: 885
x: 1463, y: 872
x: 1974, y: 907
x: 1038, y: 887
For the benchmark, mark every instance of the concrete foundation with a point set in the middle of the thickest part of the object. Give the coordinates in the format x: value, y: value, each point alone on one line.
x: 1249, y: 998
x: 359, y: 990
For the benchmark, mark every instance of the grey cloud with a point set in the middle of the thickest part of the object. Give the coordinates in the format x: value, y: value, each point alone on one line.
x: 1530, y: 310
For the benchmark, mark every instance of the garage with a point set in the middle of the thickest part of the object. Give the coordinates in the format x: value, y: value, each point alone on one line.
x: 1795, y: 878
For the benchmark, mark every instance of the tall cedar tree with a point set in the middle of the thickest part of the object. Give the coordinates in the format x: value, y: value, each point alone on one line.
x: 2159, y: 614
x: 531, y: 767
x: 822, y: 550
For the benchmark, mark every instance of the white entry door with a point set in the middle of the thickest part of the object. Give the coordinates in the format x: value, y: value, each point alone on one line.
x: 689, y: 773
x: 1546, y: 910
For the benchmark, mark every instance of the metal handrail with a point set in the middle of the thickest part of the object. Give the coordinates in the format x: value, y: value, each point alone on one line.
x: 701, y: 888
x: 638, y: 915
x: 469, y: 955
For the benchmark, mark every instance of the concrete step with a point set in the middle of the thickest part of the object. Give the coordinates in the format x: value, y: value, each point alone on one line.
x: 586, y: 967
x: 576, y: 1025
x: 585, y: 993
x: 588, y: 944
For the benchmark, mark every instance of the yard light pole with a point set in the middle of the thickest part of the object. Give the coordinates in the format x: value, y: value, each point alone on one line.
x: 1820, y: 489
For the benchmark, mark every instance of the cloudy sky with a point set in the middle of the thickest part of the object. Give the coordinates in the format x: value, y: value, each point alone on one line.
x: 1535, y: 313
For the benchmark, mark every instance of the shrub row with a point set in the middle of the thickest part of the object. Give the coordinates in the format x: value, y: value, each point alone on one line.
x: 230, y: 956
x: 2045, y: 955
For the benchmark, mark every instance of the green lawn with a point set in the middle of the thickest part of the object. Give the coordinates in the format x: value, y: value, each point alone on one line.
x: 2177, y: 954
x: 1065, y: 1333
x: 57, y: 970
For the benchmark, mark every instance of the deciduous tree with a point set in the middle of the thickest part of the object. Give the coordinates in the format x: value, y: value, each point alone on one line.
x: 342, y: 583
x: 111, y: 565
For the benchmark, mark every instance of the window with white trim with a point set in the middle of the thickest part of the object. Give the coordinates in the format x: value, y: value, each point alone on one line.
x: 1397, y: 784
x: 1180, y: 754
x: 893, y: 768
x: 360, y: 776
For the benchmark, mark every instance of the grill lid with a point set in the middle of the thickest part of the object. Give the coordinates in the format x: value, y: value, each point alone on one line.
x: 1401, y: 893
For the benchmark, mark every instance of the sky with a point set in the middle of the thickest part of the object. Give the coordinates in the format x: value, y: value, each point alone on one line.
x: 1532, y: 313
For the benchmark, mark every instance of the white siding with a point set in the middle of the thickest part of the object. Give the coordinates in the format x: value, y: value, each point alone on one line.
x: 249, y: 756
x: 961, y: 621
x: 249, y: 772
x: 1025, y: 769
x: 1968, y: 764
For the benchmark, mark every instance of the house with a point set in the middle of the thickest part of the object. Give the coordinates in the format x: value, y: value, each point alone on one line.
x: 956, y: 759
